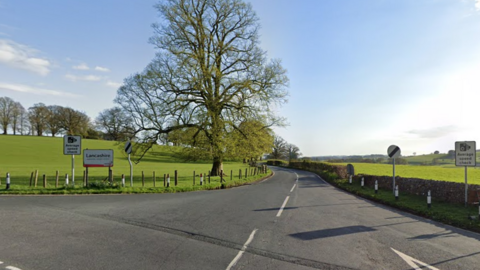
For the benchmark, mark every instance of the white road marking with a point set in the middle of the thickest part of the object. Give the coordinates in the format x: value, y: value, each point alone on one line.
x: 293, y: 187
x: 12, y: 268
x: 1, y: 262
x: 297, y: 177
x: 283, y: 206
x: 240, y: 253
x: 412, y: 261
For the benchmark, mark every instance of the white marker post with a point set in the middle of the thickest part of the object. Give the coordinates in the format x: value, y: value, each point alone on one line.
x: 393, y: 152
x: 466, y: 155
x: 128, y: 150
x: 8, y: 181
x: 429, y: 199
x: 376, y: 186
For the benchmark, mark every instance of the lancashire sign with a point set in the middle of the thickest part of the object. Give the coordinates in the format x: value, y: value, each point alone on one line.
x: 98, y: 158
x: 465, y: 154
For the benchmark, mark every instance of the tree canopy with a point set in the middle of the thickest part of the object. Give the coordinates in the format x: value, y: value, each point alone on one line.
x: 209, y: 77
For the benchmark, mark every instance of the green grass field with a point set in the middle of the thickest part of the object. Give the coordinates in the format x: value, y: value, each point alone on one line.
x: 22, y: 155
x: 452, y: 174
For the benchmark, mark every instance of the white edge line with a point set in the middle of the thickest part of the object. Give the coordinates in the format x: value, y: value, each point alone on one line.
x: 283, y: 206
x: 240, y: 253
x: 293, y: 187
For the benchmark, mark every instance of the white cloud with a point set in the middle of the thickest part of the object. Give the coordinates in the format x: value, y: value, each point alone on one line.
x: 477, y: 5
x: 82, y: 66
x: 102, y: 69
x: 113, y: 84
x: 23, y: 57
x: 89, y: 78
x: 34, y: 90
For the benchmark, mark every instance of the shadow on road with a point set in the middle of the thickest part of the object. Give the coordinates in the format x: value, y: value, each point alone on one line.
x: 331, y: 232
x: 274, y: 209
x: 433, y: 235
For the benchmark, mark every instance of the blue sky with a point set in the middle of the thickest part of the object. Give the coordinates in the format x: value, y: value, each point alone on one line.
x: 363, y: 74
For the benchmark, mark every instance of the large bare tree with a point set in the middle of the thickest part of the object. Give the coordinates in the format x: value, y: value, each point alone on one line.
x: 209, y: 74
x: 37, y: 115
x: 7, y: 106
x: 115, y: 123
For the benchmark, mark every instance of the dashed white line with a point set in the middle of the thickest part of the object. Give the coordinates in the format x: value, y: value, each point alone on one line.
x: 293, y: 187
x: 283, y: 206
x: 240, y: 253
x: 12, y: 268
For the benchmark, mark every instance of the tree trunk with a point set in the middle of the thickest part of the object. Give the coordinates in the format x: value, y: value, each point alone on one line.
x: 217, y: 166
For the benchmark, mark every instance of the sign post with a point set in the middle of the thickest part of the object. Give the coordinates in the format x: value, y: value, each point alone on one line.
x: 393, y: 152
x: 72, y: 145
x: 128, y: 150
x: 466, y: 155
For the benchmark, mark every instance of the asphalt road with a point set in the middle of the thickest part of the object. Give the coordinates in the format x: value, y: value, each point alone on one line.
x: 318, y: 227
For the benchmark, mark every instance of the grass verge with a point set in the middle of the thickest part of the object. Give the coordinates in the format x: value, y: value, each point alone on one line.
x: 101, y: 187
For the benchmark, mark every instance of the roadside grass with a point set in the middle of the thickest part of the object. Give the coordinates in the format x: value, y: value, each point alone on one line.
x: 453, y: 214
x: 452, y: 174
x: 22, y: 155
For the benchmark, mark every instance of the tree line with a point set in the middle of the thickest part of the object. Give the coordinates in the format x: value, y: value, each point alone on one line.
x: 55, y: 120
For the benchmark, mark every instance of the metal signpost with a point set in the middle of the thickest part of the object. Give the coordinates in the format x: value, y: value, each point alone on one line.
x: 128, y: 150
x: 72, y: 145
x: 466, y: 155
x: 350, y: 169
x: 393, y: 152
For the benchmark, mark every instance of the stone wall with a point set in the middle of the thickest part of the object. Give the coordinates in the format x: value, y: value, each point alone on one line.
x: 440, y: 190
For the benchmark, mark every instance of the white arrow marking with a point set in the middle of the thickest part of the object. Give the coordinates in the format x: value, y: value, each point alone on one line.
x: 412, y: 261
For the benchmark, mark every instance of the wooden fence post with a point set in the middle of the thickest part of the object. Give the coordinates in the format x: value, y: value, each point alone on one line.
x: 240, y: 174
x: 164, y: 180
x: 255, y: 173
x: 153, y: 178
x: 194, y: 178
x: 31, y: 178
x: 56, y: 180
x: 143, y: 179
x: 176, y: 177
x: 36, y: 177
x: 246, y: 172
x: 209, y: 173
x: 44, y: 181
x: 221, y: 176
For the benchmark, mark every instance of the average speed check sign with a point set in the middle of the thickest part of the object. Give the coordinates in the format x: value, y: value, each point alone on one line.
x: 72, y: 145
x: 465, y: 153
